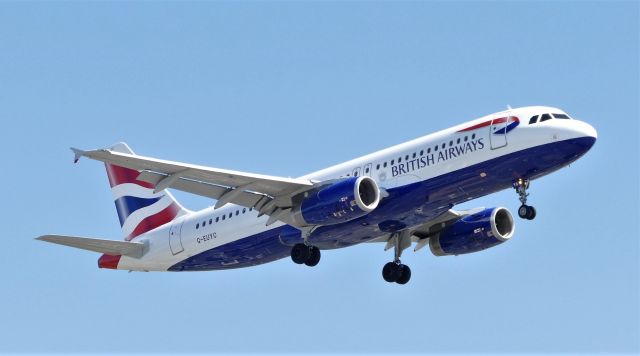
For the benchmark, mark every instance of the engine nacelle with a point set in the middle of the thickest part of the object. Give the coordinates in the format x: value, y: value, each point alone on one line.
x: 474, y: 233
x: 338, y: 202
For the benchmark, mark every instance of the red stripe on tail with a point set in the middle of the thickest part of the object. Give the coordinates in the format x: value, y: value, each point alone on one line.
x: 151, y: 222
x: 118, y: 175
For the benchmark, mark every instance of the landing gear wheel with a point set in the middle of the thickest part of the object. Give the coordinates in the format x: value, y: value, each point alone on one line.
x: 527, y: 212
x: 391, y: 272
x: 405, y: 274
x: 314, y: 256
x: 531, y: 213
x: 523, y: 211
x: 300, y: 253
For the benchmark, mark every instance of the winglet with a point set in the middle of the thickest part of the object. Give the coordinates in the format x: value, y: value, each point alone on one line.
x: 77, y: 154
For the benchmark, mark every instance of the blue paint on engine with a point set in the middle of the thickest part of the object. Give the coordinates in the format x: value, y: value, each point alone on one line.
x: 332, y: 204
x: 470, y: 234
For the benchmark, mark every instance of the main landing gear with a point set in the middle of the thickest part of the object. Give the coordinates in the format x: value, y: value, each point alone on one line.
x: 525, y: 211
x: 395, y: 271
x: 309, y: 255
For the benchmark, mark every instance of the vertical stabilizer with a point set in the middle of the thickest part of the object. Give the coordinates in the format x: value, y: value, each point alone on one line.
x: 139, y: 209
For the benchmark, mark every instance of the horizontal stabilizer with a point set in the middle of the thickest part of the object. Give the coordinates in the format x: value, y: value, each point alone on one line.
x: 109, y: 247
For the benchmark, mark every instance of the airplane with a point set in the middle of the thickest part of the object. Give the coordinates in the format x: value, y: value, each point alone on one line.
x: 401, y: 196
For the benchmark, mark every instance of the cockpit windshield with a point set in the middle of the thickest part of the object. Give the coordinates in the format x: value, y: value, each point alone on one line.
x: 545, y: 117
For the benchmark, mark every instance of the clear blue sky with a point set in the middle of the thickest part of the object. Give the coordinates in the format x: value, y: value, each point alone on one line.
x: 288, y: 88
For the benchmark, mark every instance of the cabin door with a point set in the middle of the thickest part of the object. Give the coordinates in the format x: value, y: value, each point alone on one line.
x: 175, y: 238
x: 498, y: 131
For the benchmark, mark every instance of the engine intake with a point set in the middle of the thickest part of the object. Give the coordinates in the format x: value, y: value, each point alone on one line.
x: 473, y: 233
x: 339, y: 202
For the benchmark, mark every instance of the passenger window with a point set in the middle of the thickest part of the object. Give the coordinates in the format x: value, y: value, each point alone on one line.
x: 450, y: 143
x: 244, y: 210
x: 458, y: 141
x: 428, y: 150
x: 444, y: 145
x: 399, y: 159
x: 230, y: 215
x: 377, y: 167
x: 224, y: 217
x: 385, y: 165
x: 366, y: 170
x: 533, y: 119
x: 561, y: 116
x: 392, y: 162
x: 217, y: 218
x: 204, y: 223
x: 406, y: 158
x: 355, y: 174
x: 421, y: 152
x: 435, y: 148
x: 197, y: 226
x: 545, y: 117
x: 210, y: 221
x: 465, y: 139
x: 237, y: 212
x: 473, y: 137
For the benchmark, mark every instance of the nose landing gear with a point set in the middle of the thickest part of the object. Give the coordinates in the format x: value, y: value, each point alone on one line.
x: 525, y: 211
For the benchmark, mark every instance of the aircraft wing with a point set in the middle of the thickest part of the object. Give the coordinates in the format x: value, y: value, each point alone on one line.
x: 421, y: 234
x: 109, y: 247
x: 268, y: 194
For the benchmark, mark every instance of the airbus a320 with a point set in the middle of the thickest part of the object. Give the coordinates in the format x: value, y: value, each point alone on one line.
x: 400, y: 197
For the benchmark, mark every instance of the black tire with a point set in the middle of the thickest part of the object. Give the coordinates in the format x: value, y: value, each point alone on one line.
x: 523, y: 211
x: 314, y: 256
x: 391, y: 272
x: 531, y: 213
x: 300, y: 253
x: 405, y: 274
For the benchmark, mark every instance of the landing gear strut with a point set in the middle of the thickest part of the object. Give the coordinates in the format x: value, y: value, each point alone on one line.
x: 395, y: 271
x: 309, y: 255
x: 525, y: 211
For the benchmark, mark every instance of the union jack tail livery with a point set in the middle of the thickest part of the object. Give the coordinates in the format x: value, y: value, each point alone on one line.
x: 140, y: 210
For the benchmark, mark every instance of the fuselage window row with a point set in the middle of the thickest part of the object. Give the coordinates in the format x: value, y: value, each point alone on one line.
x: 204, y: 223
x: 414, y: 154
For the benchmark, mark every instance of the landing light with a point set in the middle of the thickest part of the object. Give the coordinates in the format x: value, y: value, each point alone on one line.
x: 483, y: 174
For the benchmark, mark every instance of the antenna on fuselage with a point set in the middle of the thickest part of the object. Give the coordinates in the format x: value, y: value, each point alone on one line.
x: 509, y: 107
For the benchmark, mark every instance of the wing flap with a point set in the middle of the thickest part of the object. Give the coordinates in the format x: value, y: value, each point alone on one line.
x: 109, y: 247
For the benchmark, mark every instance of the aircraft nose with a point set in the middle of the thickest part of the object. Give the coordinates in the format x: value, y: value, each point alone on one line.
x: 585, y: 134
x: 588, y: 130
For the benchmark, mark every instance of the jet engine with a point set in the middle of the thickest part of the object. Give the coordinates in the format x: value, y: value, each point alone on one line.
x: 338, y: 202
x: 473, y: 233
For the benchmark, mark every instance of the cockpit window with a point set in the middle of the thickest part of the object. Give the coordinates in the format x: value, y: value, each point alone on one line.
x: 561, y: 116
x: 533, y: 120
x: 545, y: 117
